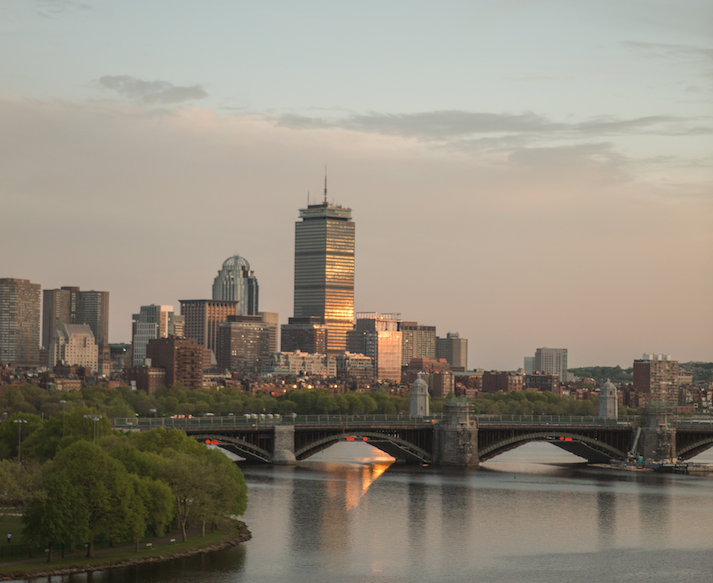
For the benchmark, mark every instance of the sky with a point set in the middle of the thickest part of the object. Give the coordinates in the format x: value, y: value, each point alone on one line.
x: 527, y: 173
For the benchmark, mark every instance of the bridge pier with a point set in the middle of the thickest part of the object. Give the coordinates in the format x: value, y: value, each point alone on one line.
x: 658, y: 438
x: 284, y: 449
x: 456, y: 440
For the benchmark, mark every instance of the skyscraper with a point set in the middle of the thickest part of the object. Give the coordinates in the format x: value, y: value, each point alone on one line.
x: 552, y: 361
x: 203, y: 318
x: 151, y: 322
x: 454, y: 349
x: 69, y: 305
x: 417, y: 341
x: 378, y: 337
x: 656, y: 378
x: 20, y: 322
x: 324, y: 269
x: 236, y: 282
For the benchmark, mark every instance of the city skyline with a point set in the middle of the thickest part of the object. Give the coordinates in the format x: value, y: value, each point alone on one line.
x: 522, y: 173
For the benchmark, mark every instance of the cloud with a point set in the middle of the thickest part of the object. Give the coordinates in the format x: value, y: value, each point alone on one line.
x: 467, y: 129
x: 50, y: 8
x: 689, y: 53
x: 161, y: 92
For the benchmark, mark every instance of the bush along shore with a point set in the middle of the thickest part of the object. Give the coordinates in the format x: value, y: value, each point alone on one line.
x: 156, y: 551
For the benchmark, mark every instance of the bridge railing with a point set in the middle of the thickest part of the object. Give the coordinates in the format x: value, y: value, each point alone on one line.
x: 266, y: 420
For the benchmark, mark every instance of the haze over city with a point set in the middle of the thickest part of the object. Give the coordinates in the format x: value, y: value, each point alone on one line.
x: 526, y: 173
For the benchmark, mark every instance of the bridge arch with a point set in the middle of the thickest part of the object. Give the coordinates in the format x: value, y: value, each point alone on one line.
x: 394, y: 446
x: 695, y: 448
x: 238, y: 446
x: 588, y: 448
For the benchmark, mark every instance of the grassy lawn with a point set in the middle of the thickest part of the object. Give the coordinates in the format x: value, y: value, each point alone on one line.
x: 13, y: 525
x: 165, y: 550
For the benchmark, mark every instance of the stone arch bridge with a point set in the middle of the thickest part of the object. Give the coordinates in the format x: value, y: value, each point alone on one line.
x: 454, y: 439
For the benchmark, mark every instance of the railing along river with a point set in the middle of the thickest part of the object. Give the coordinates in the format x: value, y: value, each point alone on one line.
x: 254, y: 419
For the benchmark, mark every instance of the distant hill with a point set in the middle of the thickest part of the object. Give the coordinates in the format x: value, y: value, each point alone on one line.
x: 701, y: 371
x: 615, y: 373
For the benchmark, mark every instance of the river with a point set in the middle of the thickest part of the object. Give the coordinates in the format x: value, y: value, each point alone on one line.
x: 535, y: 514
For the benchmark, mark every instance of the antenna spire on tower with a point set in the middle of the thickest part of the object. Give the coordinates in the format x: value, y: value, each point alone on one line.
x: 325, y: 185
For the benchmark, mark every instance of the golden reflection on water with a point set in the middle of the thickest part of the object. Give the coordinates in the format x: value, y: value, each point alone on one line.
x: 351, y: 481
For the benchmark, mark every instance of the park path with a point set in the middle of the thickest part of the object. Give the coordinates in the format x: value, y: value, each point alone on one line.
x: 57, y: 554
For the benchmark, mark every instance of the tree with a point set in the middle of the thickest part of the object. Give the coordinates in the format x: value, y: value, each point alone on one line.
x: 10, y: 433
x: 104, y: 486
x: 59, y: 515
x: 187, y: 484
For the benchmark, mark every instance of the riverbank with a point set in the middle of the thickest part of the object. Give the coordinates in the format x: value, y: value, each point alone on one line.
x: 157, y: 551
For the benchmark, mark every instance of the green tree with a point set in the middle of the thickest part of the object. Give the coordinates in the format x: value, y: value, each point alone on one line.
x: 104, y: 486
x: 11, y: 434
x: 59, y: 515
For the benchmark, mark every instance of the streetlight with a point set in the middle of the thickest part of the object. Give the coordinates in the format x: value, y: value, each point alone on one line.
x: 19, y: 436
x: 63, y: 402
x: 96, y: 419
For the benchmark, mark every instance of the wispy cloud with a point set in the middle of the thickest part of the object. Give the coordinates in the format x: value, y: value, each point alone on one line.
x: 690, y: 53
x: 471, y: 127
x: 50, y: 8
x: 161, y: 92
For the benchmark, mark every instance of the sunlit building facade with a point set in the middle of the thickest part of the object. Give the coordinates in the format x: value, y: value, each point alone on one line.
x: 324, y: 270
x: 378, y: 337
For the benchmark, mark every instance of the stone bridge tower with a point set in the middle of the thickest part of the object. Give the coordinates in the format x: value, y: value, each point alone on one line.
x: 456, y: 440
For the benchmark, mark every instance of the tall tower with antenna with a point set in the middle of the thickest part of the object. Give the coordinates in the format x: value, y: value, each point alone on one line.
x: 324, y: 269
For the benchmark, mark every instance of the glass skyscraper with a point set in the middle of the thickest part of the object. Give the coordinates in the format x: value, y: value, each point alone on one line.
x: 324, y: 270
x: 236, y: 282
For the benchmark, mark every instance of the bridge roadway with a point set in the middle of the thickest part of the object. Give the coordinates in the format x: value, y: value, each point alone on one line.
x: 259, y: 437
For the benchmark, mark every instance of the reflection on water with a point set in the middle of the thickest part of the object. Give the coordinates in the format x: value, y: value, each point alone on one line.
x: 534, y: 515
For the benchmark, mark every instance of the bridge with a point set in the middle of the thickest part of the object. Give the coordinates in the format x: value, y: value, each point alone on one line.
x: 455, y: 438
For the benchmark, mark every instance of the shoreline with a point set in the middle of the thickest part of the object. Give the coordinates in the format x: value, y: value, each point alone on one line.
x: 44, y: 570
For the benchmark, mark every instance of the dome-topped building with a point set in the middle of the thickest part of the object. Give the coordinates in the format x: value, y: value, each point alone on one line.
x: 608, y: 408
x: 419, y: 398
x: 235, y: 281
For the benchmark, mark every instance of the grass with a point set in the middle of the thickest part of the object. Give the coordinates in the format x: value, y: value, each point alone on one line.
x: 13, y: 525
x: 167, y: 550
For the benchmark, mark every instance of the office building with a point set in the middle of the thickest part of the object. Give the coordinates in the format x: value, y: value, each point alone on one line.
x: 154, y: 321
x: 656, y: 379
x: 20, y: 322
x: 301, y: 363
x: 542, y: 381
x: 70, y: 305
x: 74, y: 345
x: 529, y: 364
x: 236, y: 282
x: 146, y: 378
x: 552, y: 361
x: 203, y: 319
x: 181, y: 358
x: 354, y: 366
x: 245, y: 343
x: 454, y: 349
x: 378, y: 337
x: 324, y: 270
x: 304, y: 334
x: 417, y: 341
x: 502, y: 381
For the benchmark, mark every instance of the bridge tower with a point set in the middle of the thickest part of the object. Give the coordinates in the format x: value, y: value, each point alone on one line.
x: 658, y: 438
x: 456, y: 439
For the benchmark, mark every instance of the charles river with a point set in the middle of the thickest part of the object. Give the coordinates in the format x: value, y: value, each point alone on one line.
x: 535, y: 514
